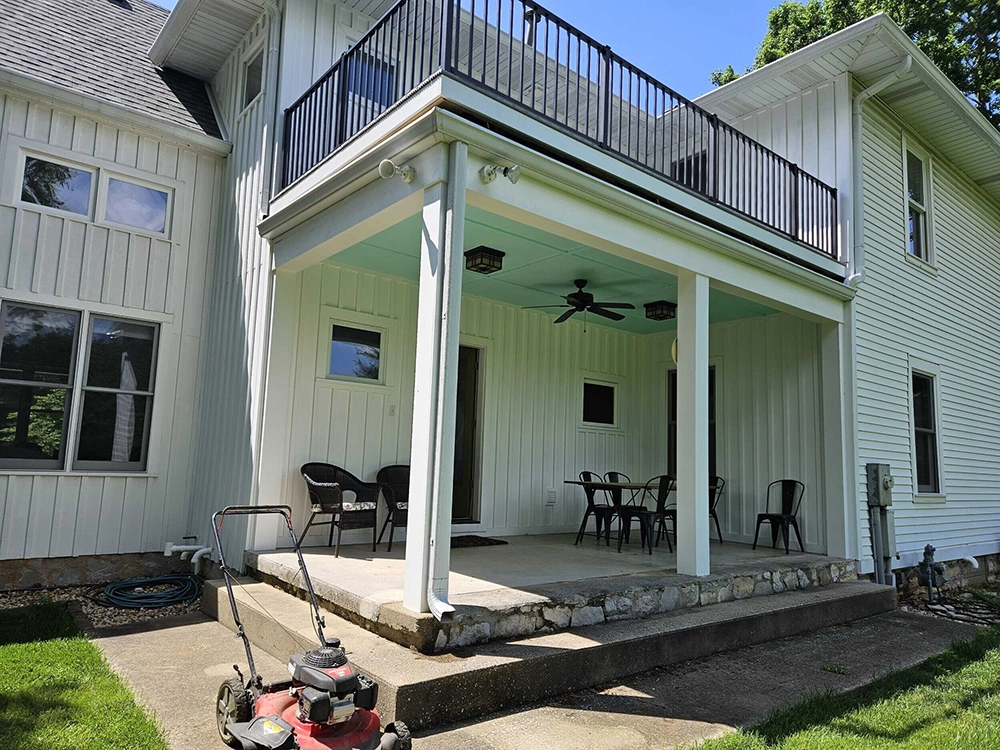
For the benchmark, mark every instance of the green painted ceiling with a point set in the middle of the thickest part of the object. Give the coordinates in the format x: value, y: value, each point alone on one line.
x: 539, y: 268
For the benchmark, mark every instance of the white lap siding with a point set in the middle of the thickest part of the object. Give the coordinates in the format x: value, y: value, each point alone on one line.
x: 50, y: 259
x: 949, y: 317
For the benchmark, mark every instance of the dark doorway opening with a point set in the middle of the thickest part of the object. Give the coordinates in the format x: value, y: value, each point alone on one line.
x: 463, y: 508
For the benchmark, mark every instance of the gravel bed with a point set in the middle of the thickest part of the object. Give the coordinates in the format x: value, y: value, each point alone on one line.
x: 981, y: 607
x: 99, y: 616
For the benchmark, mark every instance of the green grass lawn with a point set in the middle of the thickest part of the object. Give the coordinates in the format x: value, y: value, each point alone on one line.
x: 951, y: 702
x: 58, y: 693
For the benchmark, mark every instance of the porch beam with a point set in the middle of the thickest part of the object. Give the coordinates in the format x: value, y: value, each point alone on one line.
x: 692, y: 424
x: 432, y: 453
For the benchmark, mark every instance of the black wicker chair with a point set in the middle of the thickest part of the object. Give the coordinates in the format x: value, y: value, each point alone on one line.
x: 659, y: 488
x: 627, y: 511
x: 602, y: 513
x: 395, y: 481
x: 327, y: 484
x: 785, y: 495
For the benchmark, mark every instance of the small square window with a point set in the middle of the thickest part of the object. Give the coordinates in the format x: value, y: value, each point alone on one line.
x: 599, y: 403
x: 47, y: 183
x: 253, y: 79
x: 133, y: 205
x: 356, y: 353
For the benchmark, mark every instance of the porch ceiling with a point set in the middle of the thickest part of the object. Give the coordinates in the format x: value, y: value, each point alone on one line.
x: 539, y: 268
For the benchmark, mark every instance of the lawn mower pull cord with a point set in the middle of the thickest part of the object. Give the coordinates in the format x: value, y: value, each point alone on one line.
x: 327, y: 705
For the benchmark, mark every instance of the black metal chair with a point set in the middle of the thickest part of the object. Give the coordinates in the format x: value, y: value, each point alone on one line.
x: 659, y: 489
x: 327, y: 484
x: 395, y: 481
x: 715, y: 487
x: 603, y: 513
x: 785, y: 495
x: 626, y: 511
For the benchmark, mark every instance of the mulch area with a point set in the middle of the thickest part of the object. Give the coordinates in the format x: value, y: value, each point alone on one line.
x: 98, y: 615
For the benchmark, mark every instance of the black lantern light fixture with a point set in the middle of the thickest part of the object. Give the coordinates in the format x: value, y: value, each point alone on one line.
x: 483, y: 259
x: 660, y: 310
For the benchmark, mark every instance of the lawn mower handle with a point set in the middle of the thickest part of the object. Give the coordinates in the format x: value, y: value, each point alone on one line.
x: 227, y: 573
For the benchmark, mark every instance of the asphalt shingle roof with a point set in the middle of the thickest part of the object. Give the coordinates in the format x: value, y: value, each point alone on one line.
x: 99, y: 48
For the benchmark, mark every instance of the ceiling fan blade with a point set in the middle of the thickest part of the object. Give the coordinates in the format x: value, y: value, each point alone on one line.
x: 567, y: 315
x: 545, y: 307
x: 605, y: 313
x: 616, y: 305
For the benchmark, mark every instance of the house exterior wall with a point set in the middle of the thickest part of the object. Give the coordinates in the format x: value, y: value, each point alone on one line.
x: 51, y: 258
x: 944, y: 316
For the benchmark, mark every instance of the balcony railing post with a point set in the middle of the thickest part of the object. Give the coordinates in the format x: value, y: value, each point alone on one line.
x: 794, y: 230
x: 607, y: 96
x: 447, y: 34
x: 341, y: 106
x: 714, y: 156
x: 285, y: 153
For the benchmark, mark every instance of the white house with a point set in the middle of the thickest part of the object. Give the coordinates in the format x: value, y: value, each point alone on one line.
x: 803, y: 324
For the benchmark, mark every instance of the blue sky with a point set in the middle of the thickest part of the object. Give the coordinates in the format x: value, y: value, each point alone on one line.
x: 678, y: 41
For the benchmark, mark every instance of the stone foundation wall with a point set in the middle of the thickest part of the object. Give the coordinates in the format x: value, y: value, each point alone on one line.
x: 88, y: 569
x: 960, y: 575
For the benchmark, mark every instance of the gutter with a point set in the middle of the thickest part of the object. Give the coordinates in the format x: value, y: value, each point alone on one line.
x: 856, y: 263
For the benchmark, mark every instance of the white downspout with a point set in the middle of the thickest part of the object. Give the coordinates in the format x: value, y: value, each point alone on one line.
x: 273, y: 105
x: 856, y: 263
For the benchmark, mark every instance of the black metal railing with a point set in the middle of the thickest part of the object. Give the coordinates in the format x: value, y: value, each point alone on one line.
x: 517, y: 51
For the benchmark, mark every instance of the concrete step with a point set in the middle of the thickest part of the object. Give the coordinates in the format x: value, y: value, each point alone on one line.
x: 427, y: 691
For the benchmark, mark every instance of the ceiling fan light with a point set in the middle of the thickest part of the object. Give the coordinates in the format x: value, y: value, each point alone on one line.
x: 661, y: 310
x: 483, y: 260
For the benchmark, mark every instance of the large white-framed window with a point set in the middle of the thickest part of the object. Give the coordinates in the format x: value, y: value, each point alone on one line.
x: 134, y: 205
x: 919, y: 213
x: 48, y: 411
x: 54, y: 184
x: 925, y: 429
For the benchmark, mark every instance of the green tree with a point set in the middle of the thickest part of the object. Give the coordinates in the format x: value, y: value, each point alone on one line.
x: 962, y: 37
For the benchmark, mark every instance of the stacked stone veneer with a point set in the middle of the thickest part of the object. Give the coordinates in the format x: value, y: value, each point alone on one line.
x: 649, y: 598
x: 960, y: 574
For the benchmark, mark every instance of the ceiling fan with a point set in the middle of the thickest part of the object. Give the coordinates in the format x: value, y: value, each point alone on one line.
x: 581, y: 301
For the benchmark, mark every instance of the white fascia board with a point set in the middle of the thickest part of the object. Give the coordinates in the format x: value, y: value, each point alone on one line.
x: 173, y: 30
x: 36, y: 90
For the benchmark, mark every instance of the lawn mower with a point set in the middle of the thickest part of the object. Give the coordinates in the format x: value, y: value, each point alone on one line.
x: 326, y: 705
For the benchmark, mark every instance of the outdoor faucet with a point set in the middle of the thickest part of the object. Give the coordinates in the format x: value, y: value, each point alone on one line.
x: 930, y: 573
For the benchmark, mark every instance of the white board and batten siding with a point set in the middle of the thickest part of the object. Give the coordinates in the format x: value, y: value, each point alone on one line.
x: 53, y: 258
x: 946, y: 317
x: 530, y: 423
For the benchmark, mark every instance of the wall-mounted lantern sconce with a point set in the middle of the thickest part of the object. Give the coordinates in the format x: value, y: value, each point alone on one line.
x: 661, y: 310
x: 387, y: 170
x: 483, y: 259
x: 489, y: 173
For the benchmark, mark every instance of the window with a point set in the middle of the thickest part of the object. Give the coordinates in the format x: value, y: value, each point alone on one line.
x: 54, y: 185
x: 672, y: 424
x: 925, y: 434
x: 918, y: 244
x: 38, y: 352
x: 36, y: 381
x: 599, y: 403
x: 117, y: 395
x: 356, y: 353
x: 371, y: 78
x: 134, y: 205
x: 253, y: 78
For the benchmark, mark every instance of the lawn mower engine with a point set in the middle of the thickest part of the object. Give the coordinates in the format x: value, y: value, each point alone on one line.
x: 328, y: 706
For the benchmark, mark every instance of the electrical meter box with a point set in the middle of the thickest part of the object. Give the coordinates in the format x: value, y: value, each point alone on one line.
x: 880, y: 484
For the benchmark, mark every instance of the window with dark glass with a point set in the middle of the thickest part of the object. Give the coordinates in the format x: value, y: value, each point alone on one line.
x: 672, y: 424
x: 925, y: 434
x: 599, y: 403
x: 36, y: 381
x: 117, y: 395
x: 47, y: 183
x: 371, y: 78
x: 917, y: 206
x: 355, y: 353
x: 253, y: 79
x: 134, y: 205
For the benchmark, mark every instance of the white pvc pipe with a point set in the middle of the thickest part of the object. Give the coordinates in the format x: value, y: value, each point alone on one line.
x: 856, y: 263
x: 972, y: 561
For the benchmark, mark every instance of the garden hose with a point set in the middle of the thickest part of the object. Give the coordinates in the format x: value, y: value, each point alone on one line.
x: 134, y: 593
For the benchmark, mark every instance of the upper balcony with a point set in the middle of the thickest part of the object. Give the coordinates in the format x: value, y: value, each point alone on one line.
x: 523, y: 56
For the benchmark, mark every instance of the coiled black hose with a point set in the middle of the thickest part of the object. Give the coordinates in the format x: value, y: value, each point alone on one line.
x: 134, y: 593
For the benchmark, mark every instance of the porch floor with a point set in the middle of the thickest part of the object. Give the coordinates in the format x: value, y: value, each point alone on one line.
x: 537, y: 583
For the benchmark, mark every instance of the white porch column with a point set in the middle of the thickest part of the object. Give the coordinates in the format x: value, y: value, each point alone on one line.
x: 432, y: 455
x: 838, y: 475
x: 692, y: 424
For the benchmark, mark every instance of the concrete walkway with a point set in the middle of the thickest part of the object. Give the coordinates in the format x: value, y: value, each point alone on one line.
x: 176, y: 668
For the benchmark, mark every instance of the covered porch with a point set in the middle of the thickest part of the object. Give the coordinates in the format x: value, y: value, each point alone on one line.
x: 757, y: 399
